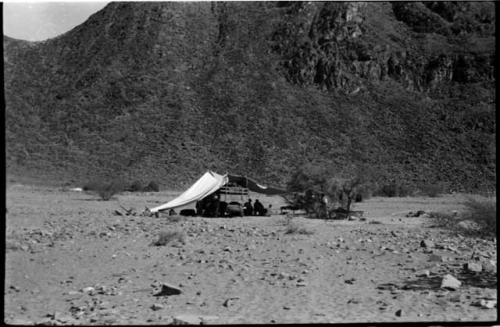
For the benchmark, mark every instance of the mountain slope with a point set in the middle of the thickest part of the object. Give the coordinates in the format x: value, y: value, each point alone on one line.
x: 167, y: 90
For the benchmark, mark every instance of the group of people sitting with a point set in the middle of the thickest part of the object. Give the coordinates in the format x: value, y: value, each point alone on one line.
x: 257, y: 209
x: 212, y: 206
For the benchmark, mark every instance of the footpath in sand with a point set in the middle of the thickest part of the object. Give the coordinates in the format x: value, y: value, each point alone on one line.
x: 71, y: 260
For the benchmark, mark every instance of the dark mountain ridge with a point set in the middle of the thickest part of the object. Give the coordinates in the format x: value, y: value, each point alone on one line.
x: 159, y: 90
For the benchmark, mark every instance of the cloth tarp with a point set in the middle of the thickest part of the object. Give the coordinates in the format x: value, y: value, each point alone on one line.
x: 254, y: 186
x: 206, y: 185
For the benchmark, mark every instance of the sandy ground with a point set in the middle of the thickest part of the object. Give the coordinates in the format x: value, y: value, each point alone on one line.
x: 71, y: 260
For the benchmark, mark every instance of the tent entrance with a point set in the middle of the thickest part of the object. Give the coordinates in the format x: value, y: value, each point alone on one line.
x: 230, y: 190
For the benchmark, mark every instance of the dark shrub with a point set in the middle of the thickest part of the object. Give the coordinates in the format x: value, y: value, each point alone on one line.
x: 318, y: 191
x: 92, y: 186
x: 135, y: 187
x: 482, y: 211
x: 431, y: 190
x: 105, y: 189
x: 393, y: 190
x: 389, y: 190
x: 444, y: 219
x: 152, y: 187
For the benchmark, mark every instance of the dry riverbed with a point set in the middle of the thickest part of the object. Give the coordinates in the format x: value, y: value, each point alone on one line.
x: 70, y: 259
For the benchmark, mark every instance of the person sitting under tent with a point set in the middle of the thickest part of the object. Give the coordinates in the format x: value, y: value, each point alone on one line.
x: 212, y: 206
x: 248, y: 208
x: 199, y: 207
x: 258, y: 208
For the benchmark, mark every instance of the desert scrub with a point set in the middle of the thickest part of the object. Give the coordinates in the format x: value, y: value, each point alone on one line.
x: 483, y: 212
x: 105, y: 190
x: 444, y: 219
x: 294, y: 228
x: 165, y: 237
x: 175, y: 218
x: 431, y: 190
x: 393, y: 189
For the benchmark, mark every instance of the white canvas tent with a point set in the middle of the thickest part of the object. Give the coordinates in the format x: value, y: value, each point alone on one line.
x: 206, y: 185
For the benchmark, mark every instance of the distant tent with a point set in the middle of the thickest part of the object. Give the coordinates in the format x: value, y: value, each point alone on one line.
x: 209, y: 183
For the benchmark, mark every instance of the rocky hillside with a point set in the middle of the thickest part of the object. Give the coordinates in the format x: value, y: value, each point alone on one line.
x: 159, y: 90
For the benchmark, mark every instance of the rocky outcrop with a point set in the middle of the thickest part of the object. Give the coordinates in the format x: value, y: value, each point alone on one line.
x: 335, y: 47
x: 162, y: 90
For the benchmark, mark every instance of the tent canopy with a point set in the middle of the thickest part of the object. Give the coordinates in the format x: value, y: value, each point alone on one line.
x: 209, y: 183
x: 253, y: 185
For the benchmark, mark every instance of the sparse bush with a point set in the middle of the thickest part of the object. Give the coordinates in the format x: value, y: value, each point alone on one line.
x: 393, y: 189
x: 444, y: 219
x: 320, y: 192
x: 175, y: 218
x: 91, y: 186
x: 483, y: 212
x: 165, y: 237
x: 431, y: 190
x: 152, y: 187
x: 294, y: 228
x: 105, y: 189
x: 135, y: 187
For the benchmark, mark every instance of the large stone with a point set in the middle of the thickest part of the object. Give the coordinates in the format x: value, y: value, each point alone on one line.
x: 487, y: 304
x: 469, y: 225
x: 490, y: 266
x: 427, y: 244
x: 450, y: 282
x: 157, y: 306
x: 473, y: 266
x: 167, y: 289
x: 423, y: 273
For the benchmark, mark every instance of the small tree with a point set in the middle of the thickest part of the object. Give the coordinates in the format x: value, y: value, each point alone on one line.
x: 346, y: 191
x: 313, y: 185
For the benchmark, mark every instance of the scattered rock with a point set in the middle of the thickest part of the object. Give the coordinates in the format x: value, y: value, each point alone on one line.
x: 283, y: 275
x: 473, y: 266
x: 301, y: 282
x: 157, y: 306
x: 450, y: 282
x: 469, y: 225
x: 423, y: 273
x: 399, y: 313
x: 191, y: 319
x: 415, y: 214
x: 88, y: 289
x: 490, y: 266
x: 486, y: 304
x: 427, y: 244
x: 15, y: 288
x: 167, y: 289
x: 230, y: 302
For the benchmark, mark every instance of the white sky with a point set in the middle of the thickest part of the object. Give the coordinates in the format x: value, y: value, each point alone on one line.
x: 36, y: 21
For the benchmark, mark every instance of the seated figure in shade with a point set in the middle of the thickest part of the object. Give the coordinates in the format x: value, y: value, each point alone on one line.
x: 258, y: 208
x: 248, y: 208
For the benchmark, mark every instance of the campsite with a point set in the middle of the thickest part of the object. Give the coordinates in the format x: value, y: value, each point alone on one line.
x: 70, y: 259
x: 250, y: 162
